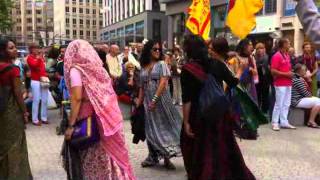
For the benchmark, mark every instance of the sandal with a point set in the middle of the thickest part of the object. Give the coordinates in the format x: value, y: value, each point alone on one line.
x: 148, y: 163
x: 313, y: 125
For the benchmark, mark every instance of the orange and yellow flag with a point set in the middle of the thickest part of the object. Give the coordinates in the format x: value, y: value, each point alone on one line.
x: 199, y: 20
x: 241, y: 16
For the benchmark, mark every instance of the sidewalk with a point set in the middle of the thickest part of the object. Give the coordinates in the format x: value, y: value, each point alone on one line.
x: 285, y: 155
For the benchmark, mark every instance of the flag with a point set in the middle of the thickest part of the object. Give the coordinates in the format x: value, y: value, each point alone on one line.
x: 241, y: 16
x: 199, y: 20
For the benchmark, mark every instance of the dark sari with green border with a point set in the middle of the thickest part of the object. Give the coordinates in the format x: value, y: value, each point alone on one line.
x: 14, y: 162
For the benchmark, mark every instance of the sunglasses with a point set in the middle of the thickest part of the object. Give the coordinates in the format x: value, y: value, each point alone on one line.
x: 156, y: 49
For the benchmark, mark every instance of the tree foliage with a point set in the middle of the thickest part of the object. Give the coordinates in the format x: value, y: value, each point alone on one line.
x: 5, y: 15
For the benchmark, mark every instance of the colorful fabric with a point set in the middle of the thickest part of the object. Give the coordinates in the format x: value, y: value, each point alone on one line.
x: 6, y: 77
x: 241, y: 16
x: 14, y: 162
x: 98, y: 86
x: 163, y: 125
x: 37, y: 67
x: 281, y: 62
x: 199, y: 21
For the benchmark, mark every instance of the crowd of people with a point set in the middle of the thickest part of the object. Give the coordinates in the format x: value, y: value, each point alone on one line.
x: 224, y: 93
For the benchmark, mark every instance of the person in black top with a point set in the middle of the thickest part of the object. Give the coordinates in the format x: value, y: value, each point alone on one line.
x: 209, y: 149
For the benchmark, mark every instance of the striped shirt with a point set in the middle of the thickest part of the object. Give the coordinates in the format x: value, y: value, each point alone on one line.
x: 299, y: 90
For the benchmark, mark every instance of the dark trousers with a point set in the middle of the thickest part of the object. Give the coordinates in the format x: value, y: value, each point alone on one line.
x: 263, y: 96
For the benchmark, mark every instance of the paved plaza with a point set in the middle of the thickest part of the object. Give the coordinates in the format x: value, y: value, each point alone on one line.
x: 284, y: 155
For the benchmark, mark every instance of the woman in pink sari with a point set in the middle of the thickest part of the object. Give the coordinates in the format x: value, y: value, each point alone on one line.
x: 91, y: 92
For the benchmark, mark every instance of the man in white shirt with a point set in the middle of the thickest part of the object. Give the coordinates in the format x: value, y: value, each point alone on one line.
x: 127, y: 56
x: 114, y: 66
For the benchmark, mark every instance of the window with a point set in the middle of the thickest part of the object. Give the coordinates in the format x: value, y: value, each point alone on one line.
x: 155, y: 5
x: 88, y: 33
x: 19, y: 20
x: 270, y: 6
x: 74, y: 32
x: 29, y: 12
x: 94, y: 22
x: 88, y: 22
x: 74, y: 10
x: 68, y: 32
x: 67, y: 9
x: 29, y: 20
x: 100, y: 1
x: 18, y: 28
x: 67, y: 21
x: 39, y: 20
x: 81, y: 21
x: 100, y: 23
x: 88, y: 11
x: 81, y: 33
x: 93, y: 1
x: 81, y: 1
x: 94, y: 33
x: 74, y: 21
x: 88, y: 1
x: 38, y: 11
x: 93, y: 11
x: 18, y: 11
x: 128, y: 9
x: 29, y: 28
x: 81, y: 10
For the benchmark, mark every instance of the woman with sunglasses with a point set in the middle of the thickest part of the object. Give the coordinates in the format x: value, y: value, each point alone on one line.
x: 162, y: 119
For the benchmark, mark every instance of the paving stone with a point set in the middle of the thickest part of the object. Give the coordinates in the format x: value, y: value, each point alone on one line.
x: 284, y: 155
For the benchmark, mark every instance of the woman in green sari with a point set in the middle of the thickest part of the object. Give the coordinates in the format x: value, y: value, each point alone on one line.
x: 14, y: 163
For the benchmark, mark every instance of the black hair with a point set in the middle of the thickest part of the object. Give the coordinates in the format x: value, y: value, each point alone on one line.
x: 220, y: 46
x: 241, y: 48
x: 3, y: 46
x: 53, y: 52
x: 196, y: 50
x: 145, y: 58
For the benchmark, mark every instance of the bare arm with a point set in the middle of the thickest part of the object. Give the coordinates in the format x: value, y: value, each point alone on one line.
x: 76, y: 98
x: 162, y: 86
x: 277, y: 73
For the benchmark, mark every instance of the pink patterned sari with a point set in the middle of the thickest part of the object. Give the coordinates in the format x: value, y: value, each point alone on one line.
x: 109, y: 159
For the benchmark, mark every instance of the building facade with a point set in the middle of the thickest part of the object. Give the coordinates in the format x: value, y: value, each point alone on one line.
x: 77, y: 19
x: 276, y: 19
x: 127, y: 21
x: 32, y: 21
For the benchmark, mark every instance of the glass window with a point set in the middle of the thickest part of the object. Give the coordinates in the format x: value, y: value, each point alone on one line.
x: 18, y: 28
x: 133, y: 6
x: 74, y: 32
x: 81, y: 33
x: 67, y: 21
x: 88, y: 22
x: 74, y: 21
x: 155, y: 5
x: 94, y: 33
x: 93, y: 1
x: 81, y: 21
x: 67, y: 31
x: 67, y: 9
x: 100, y: 23
x: 270, y: 6
x: 29, y: 28
x: 74, y: 10
x: 39, y: 20
x: 94, y: 22
x: 88, y: 33
x: 93, y: 11
x: 88, y: 11
x: 81, y: 10
x: 88, y: 1
x: 38, y: 11
x: 29, y: 12
x: 29, y: 20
